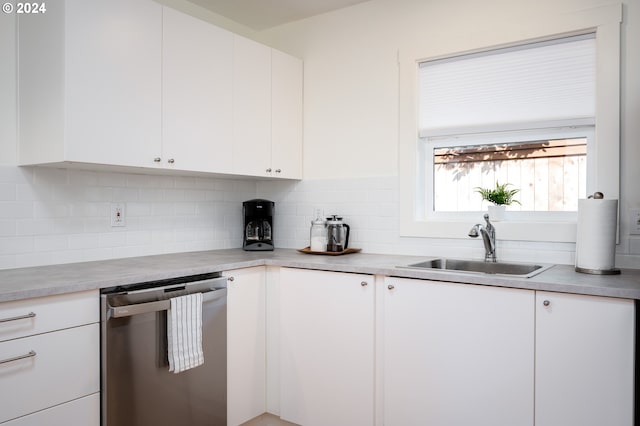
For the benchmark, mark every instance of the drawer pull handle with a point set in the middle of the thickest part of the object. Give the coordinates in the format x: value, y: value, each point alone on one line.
x: 29, y: 315
x: 16, y: 358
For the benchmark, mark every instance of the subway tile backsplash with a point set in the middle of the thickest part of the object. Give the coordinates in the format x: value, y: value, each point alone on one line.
x: 52, y: 215
x: 370, y: 206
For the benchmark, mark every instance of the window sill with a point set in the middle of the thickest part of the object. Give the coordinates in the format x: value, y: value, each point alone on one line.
x: 564, y: 231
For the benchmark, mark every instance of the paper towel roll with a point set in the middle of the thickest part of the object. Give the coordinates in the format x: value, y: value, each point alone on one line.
x: 596, y: 236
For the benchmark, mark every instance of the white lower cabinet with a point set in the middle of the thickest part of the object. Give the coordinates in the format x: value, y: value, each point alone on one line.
x: 457, y: 354
x: 57, y: 367
x: 50, y: 360
x: 326, y: 348
x: 246, y: 359
x: 84, y: 411
x: 584, y: 360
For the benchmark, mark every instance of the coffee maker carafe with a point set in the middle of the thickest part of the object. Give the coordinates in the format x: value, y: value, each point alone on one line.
x: 258, y: 225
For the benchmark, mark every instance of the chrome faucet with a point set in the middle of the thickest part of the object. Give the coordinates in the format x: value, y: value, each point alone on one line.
x: 488, y: 233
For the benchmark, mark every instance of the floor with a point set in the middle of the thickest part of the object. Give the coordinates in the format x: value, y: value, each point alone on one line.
x: 267, y: 420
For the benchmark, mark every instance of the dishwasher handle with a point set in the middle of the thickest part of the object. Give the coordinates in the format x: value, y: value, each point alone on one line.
x: 161, y: 305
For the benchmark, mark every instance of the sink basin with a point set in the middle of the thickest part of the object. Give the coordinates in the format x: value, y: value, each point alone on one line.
x: 478, y: 266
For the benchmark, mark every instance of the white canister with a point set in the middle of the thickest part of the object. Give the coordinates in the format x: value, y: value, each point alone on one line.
x: 318, y: 235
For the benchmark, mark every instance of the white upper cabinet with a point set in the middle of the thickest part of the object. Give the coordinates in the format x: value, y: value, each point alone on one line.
x: 251, y: 107
x: 90, y: 83
x: 267, y: 109
x: 584, y: 360
x: 286, y: 115
x: 133, y: 83
x: 197, y: 92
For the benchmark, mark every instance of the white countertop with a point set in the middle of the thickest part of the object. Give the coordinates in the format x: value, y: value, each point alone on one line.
x: 39, y: 281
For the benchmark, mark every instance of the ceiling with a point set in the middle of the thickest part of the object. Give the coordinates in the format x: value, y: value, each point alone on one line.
x: 263, y: 14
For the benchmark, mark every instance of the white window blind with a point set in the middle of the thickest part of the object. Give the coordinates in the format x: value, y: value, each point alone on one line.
x: 533, y: 83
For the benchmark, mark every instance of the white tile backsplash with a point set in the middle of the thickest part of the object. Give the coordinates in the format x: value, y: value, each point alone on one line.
x: 52, y: 215
x: 370, y: 206
x: 60, y: 216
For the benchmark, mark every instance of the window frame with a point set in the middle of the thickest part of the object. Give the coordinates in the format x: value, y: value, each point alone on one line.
x: 604, y: 151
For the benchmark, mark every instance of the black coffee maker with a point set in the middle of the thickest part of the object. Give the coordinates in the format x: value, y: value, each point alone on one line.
x: 258, y: 225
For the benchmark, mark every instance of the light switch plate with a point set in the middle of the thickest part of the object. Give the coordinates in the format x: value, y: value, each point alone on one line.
x: 634, y: 221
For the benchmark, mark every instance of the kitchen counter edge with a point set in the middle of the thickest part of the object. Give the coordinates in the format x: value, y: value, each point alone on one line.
x: 38, y: 281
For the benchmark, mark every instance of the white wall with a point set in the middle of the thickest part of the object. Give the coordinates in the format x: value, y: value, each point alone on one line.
x: 351, y: 81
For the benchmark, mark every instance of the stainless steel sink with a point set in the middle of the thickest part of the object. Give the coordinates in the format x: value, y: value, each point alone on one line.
x: 525, y: 270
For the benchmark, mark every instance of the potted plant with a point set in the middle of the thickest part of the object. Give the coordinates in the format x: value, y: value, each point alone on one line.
x: 500, y: 197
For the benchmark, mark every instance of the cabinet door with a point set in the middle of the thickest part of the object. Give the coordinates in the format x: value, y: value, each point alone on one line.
x: 246, y: 361
x: 113, y: 81
x: 251, y: 107
x: 584, y: 360
x: 83, y: 411
x: 457, y: 354
x: 197, y: 90
x: 286, y: 115
x: 60, y: 366
x: 327, y: 346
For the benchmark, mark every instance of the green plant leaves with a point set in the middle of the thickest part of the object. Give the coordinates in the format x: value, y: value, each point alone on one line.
x: 500, y: 195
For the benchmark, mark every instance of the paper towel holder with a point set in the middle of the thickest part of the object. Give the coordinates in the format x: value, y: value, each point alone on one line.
x: 613, y: 271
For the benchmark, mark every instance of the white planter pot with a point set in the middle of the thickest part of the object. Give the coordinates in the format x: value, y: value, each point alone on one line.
x: 496, y: 213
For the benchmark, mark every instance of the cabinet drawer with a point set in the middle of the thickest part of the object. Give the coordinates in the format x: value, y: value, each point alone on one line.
x: 65, y: 366
x: 28, y: 317
x: 84, y: 411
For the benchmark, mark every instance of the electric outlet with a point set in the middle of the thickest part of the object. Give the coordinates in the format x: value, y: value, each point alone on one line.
x: 117, y: 214
x: 634, y: 221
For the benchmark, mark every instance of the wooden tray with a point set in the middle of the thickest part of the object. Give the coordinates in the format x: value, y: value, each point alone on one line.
x: 329, y: 253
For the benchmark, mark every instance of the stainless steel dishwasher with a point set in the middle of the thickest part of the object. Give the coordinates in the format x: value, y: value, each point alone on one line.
x: 137, y: 387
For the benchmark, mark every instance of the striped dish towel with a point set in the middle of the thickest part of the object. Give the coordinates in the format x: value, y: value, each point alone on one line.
x: 184, y: 332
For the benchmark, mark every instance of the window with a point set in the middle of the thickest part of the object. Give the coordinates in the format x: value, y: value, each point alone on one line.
x: 578, y: 135
x: 550, y: 175
x: 476, y: 116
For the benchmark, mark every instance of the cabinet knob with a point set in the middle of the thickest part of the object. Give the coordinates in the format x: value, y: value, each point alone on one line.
x: 391, y: 287
x: 157, y: 160
x: 269, y: 170
x: 546, y: 303
x: 278, y: 170
x: 231, y: 279
x: 364, y: 283
x: 171, y: 161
